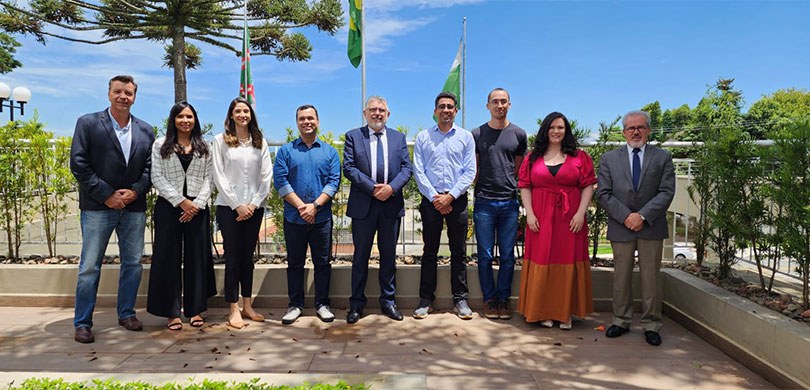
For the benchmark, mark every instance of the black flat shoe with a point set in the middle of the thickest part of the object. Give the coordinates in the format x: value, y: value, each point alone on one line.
x: 616, y: 331
x: 652, y: 337
x: 392, y: 312
x: 354, y: 315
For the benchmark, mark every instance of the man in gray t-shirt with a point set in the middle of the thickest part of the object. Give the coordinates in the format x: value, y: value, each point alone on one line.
x: 499, y: 148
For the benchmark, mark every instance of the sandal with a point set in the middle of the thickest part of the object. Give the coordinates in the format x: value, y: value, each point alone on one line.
x: 175, y: 324
x: 196, y: 322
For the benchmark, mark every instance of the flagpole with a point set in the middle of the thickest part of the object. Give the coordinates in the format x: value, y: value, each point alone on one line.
x: 464, y: 73
x: 362, y: 61
x: 244, y: 50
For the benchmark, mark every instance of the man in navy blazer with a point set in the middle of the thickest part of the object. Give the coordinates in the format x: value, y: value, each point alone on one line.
x: 376, y: 162
x: 111, y: 158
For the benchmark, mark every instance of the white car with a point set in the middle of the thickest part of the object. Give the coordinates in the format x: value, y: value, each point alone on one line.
x: 683, y: 252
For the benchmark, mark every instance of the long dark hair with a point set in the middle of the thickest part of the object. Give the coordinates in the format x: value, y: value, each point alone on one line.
x: 198, y: 144
x: 253, y: 126
x: 569, y: 143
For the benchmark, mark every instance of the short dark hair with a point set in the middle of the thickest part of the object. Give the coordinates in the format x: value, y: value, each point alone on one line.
x: 126, y: 79
x: 445, y: 95
x: 489, y: 96
x: 306, y: 107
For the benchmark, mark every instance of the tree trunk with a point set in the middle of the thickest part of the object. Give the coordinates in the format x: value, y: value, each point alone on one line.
x: 179, y: 60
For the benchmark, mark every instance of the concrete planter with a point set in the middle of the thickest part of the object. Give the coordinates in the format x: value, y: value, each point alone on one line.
x: 763, y: 340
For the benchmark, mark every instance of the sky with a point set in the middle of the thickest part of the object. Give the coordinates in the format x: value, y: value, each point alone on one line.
x: 591, y: 60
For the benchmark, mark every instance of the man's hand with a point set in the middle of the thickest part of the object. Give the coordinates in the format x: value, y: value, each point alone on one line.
x: 442, y: 201
x: 445, y: 210
x: 307, y: 212
x: 128, y: 196
x: 115, y: 201
x: 382, y: 192
x: 634, y: 222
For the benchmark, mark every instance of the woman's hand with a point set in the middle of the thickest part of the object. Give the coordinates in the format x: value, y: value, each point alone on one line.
x: 190, y: 210
x: 577, y: 222
x: 244, y: 211
x: 532, y: 223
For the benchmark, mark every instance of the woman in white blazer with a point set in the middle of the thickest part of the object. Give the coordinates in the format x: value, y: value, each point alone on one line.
x: 181, y: 174
x: 243, y: 172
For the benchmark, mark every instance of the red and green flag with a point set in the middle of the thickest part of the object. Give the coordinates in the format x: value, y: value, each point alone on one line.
x: 246, y: 86
x: 355, y: 35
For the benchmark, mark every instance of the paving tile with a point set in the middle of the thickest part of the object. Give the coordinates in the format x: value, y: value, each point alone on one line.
x: 268, y: 345
x: 482, y: 382
x: 30, y: 315
x: 108, y: 345
x: 60, y: 361
x: 213, y: 362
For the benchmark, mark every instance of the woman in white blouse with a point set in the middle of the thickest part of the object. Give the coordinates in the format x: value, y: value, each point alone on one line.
x: 181, y: 174
x: 243, y: 173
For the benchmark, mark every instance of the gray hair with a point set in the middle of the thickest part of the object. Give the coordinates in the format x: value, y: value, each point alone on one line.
x: 645, y: 114
x: 375, y: 98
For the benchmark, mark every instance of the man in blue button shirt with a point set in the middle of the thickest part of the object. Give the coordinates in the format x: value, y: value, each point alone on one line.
x: 307, y: 175
x: 444, y: 168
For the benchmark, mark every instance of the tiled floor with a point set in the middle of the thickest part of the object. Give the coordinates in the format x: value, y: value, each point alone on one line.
x: 448, y: 352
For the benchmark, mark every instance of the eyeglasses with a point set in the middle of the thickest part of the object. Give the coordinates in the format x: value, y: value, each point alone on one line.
x: 376, y: 109
x: 634, y: 129
x: 446, y: 106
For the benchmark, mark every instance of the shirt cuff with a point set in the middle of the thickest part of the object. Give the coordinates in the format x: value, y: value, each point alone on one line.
x: 286, y: 190
x: 330, y: 190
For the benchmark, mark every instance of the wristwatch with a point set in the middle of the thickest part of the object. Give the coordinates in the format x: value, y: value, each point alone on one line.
x: 317, y: 205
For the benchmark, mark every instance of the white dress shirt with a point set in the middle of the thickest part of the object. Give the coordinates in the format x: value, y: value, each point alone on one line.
x: 373, y: 147
x: 124, y: 135
x: 242, y: 174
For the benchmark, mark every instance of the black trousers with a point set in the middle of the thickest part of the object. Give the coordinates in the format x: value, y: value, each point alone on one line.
x: 432, y: 223
x: 182, y: 270
x: 239, y: 241
x: 318, y: 237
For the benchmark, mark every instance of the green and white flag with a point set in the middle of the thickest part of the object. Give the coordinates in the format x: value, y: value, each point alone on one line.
x: 246, y: 85
x: 453, y: 83
x: 355, y: 36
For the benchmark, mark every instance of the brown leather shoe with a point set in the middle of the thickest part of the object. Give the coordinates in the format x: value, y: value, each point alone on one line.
x: 491, y: 309
x: 131, y: 323
x: 84, y: 335
x: 504, y: 310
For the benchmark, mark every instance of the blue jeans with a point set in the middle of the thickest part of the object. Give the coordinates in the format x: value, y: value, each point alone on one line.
x: 493, y: 217
x: 97, y: 227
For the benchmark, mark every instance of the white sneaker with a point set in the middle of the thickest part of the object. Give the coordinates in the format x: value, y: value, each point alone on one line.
x: 463, y: 310
x: 422, y: 312
x: 293, y: 312
x: 325, y: 313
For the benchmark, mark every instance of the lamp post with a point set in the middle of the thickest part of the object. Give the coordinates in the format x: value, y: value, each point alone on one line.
x: 19, y: 95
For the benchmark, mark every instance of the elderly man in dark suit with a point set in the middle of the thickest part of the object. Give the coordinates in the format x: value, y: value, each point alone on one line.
x: 376, y: 162
x: 636, y: 187
x: 111, y: 158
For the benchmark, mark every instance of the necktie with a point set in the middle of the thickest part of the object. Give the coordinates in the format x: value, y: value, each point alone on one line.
x: 636, y: 168
x: 380, y: 159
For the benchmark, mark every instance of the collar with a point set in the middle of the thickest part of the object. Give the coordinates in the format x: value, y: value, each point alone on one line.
x: 115, y: 125
x: 435, y: 128
x: 372, y: 132
x: 630, y: 148
x: 299, y: 141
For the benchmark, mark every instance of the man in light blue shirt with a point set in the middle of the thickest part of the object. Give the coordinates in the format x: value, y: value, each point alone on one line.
x: 307, y: 176
x: 444, y: 168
